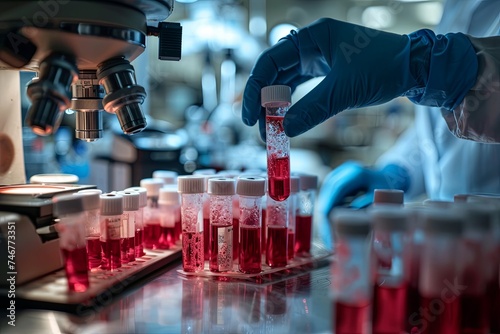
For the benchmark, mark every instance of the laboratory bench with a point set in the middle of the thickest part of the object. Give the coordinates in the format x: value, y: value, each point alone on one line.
x: 295, y: 301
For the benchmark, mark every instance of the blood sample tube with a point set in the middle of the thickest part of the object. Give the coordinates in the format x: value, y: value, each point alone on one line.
x: 111, y: 222
x: 390, y: 286
x: 478, y: 243
x: 192, y: 190
x: 206, y: 173
x: 305, y: 211
x: 152, y: 227
x: 292, y: 216
x: 71, y: 229
x: 277, y: 99
x: 139, y: 221
x: 221, y: 191
x: 130, y: 211
x: 170, y: 208
x: 277, y: 216
x: 92, y: 206
x: 351, y: 273
x: 250, y: 190
x: 440, y: 273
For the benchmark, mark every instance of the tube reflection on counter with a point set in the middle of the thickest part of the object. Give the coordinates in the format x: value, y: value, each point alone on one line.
x: 192, y: 305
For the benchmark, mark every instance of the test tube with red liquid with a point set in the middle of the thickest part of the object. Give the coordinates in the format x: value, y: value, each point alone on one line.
x: 92, y: 206
x: 277, y: 99
x: 170, y: 208
x: 139, y: 221
x: 440, y: 285
x: 478, y: 243
x: 250, y: 190
x: 277, y: 216
x: 390, y: 290
x: 130, y: 211
x: 305, y: 211
x: 221, y: 191
x: 192, y: 190
x: 71, y: 229
x: 152, y: 224
x: 351, y: 285
x: 206, y: 173
x: 111, y: 224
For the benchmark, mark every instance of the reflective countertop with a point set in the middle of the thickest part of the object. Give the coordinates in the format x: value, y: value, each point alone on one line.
x: 171, y: 303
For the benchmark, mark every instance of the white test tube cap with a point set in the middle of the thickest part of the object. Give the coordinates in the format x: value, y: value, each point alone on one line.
x: 131, y: 200
x: 152, y: 186
x: 224, y: 186
x: 390, y: 218
x: 308, y: 181
x: 252, y: 186
x: 111, y: 204
x: 437, y: 220
x: 275, y: 94
x: 191, y: 184
x: 91, y: 199
x: 388, y: 196
x: 169, y: 195
x: 351, y: 222
x: 143, y: 195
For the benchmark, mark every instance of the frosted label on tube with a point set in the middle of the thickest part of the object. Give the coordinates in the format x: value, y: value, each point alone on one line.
x: 225, y: 246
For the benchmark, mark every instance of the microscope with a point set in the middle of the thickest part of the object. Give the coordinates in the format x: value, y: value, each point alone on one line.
x: 81, y: 52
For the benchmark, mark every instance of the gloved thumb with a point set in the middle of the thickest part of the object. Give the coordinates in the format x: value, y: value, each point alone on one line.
x: 312, y: 109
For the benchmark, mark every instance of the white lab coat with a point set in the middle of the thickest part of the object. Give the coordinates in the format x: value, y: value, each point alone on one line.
x: 440, y: 164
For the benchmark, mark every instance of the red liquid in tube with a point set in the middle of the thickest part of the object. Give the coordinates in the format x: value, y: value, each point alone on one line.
x: 192, y: 251
x: 76, y: 269
x: 303, y: 234
x: 250, y: 255
x: 277, y: 246
x: 94, y: 252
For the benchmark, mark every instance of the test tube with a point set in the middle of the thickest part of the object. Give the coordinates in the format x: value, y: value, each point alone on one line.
x: 351, y: 273
x: 71, y: 230
x: 139, y: 222
x: 170, y: 208
x: 292, y: 207
x: 440, y: 269
x: 92, y: 206
x: 390, y: 286
x: 192, y: 190
x: 152, y: 225
x: 478, y: 245
x: 277, y: 216
x: 130, y: 211
x: 221, y: 191
x: 250, y: 190
x: 111, y: 222
x: 277, y: 99
x: 305, y: 211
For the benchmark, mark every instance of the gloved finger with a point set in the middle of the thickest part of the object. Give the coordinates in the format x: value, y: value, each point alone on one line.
x: 362, y: 201
x: 272, y: 62
x: 314, y: 108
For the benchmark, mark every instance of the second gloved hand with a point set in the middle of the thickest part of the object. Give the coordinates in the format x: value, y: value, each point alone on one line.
x: 351, y: 179
x: 362, y: 67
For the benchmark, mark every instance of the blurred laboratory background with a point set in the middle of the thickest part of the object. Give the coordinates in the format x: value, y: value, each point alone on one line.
x: 193, y: 106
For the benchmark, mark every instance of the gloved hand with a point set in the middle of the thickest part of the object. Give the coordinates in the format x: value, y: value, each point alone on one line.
x: 363, y: 67
x: 350, y: 179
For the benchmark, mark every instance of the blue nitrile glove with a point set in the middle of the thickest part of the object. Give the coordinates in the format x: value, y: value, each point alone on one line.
x: 363, y: 67
x: 350, y: 179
